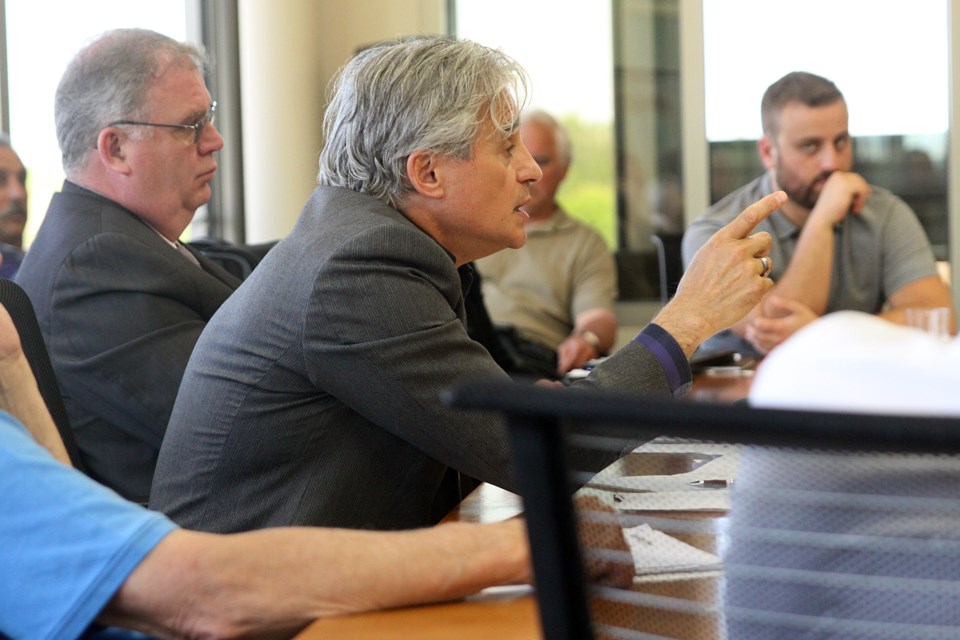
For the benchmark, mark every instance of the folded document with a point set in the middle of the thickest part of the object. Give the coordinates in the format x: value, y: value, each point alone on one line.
x: 655, y: 552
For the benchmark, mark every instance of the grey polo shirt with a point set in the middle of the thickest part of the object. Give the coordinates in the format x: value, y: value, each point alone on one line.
x: 876, y: 252
x: 564, y: 269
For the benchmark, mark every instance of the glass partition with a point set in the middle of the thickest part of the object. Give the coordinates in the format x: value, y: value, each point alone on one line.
x: 890, y: 60
x: 649, y: 138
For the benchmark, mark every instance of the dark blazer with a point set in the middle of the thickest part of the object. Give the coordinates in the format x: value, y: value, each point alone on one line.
x: 120, y: 310
x: 313, y: 396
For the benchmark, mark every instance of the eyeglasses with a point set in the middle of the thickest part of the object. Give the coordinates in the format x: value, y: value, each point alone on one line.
x: 197, y: 127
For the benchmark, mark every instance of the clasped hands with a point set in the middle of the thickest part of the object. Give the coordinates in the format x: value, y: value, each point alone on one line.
x: 780, y: 319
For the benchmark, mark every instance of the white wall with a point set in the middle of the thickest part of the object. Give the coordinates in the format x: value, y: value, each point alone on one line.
x: 290, y: 49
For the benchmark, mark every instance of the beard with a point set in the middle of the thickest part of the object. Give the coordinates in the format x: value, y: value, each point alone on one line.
x: 803, y: 193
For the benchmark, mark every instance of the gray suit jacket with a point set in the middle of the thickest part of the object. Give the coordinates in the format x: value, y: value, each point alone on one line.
x: 120, y: 311
x: 313, y: 395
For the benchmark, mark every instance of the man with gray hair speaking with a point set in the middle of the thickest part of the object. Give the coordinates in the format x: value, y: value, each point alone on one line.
x: 313, y: 395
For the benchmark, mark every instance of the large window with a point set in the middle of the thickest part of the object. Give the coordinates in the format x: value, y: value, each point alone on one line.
x: 41, y: 36
x: 565, y: 46
x: 890, y: 59
x: 649, y: 138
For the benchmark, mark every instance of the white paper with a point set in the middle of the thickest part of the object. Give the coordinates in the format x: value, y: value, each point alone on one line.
x: 655, y: 552
x: 723, y: 466
x: 694, y: 500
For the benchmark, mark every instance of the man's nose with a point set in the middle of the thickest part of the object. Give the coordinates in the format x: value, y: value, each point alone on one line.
x: 828, y: 159
x: 210, y: 139
x: 15, y: 191
x: 529, y: 169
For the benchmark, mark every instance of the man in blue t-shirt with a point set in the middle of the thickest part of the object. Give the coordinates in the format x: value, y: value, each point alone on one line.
x: 73, y: 552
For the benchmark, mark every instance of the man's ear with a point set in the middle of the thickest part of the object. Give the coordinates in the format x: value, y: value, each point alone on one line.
x: 111, y: 150
x: 768, y: 151
x: 425, y: 173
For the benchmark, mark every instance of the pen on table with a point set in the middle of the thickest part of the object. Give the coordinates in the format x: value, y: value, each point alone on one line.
x: 718, y: 483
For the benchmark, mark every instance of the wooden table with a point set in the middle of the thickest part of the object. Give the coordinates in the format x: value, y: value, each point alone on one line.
x: 487, y: 503
x: 499, y: 614
x: 501, y: 618
x: 509, y: 616
x: 721, y: 388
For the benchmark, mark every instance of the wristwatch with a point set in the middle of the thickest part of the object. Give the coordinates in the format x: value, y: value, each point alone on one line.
x: 590, y: 338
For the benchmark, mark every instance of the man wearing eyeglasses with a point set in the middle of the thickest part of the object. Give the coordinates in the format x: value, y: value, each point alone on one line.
x: 121, y: 302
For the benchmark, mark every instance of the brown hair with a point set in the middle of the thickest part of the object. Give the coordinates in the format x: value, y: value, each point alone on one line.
x: 797, y: 86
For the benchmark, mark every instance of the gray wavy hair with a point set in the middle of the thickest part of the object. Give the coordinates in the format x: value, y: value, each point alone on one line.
x: 108, y: 80
x: 430, y: 93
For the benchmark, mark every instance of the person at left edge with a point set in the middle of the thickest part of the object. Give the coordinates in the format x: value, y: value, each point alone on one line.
x: 13, y: 208
x: 74, y: 552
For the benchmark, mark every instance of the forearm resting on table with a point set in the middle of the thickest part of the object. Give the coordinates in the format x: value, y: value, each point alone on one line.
x: 278, y: 580
x: 807, y: 277
x: 926, y: 293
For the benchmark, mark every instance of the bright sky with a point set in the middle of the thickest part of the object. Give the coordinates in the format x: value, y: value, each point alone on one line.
x: 36, y: 63
x: 565, y: 46
x: 42, y: 36
x: 890, y: 60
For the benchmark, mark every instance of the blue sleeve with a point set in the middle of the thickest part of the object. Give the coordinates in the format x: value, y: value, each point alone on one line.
x: 670, y: 355
x: 66, y: 543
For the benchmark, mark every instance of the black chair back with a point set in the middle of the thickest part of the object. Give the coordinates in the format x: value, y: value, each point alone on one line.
x: 549, y: 427
x: 18, y: 305
x: 669, y: 262
x: 238, y: 259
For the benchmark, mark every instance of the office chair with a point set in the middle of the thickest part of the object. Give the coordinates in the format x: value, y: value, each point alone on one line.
x: 669, y: 261
x: 18, y: 305
x: 238, y: 259
x: 847, y: 527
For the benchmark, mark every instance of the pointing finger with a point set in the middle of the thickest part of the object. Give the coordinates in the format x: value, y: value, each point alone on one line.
x: 750, y: 217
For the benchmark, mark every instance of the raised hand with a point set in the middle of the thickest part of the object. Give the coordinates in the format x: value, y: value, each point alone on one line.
x: 725, y: 279
x: 844, y: 192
